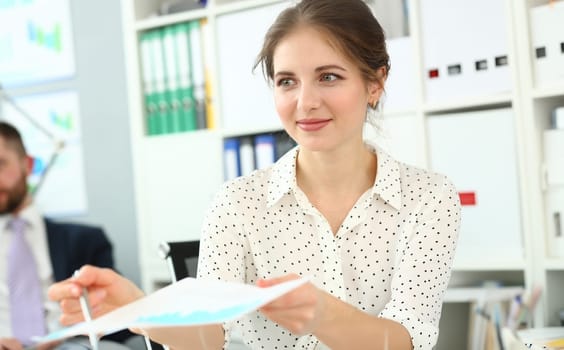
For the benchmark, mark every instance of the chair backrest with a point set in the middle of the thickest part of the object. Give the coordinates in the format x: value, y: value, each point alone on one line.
x: 182, y: 258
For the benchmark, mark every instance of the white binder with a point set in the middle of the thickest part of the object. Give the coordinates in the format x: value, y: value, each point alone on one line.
x: 246, y: 99
x: 554, y: 199
x: 247, y: 155
x: 547, y: 36
x: 465, y: 49
x: 400, y: 85
x: 553, y: 147
x: 476, y: 150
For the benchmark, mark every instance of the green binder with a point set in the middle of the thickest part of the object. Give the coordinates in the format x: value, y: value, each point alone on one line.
x: 148, y: 82
x: 185, y: 86
x: 198, y: 72
x: 172, y: 95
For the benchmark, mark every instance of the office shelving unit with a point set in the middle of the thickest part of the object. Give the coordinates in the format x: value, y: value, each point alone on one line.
x: 175, y: 178
x: 536, y: 103
x: 176, y: 175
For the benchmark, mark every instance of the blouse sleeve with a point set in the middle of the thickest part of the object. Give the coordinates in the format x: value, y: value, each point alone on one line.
x: 423, y: 269
x: 221, y: 246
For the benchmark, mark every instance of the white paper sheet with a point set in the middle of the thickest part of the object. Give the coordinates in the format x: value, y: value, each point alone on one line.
x: 189, y: 302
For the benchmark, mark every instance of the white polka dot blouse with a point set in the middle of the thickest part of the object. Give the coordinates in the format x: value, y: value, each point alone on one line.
x: 391, y: 256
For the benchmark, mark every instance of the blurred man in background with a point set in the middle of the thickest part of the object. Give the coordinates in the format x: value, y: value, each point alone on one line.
x: 36, y: 252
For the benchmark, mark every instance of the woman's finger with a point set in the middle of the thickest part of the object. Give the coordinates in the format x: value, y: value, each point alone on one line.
x: 263, y: 283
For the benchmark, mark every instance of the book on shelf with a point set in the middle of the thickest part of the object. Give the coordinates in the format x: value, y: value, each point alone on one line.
x: 231, y: 162
x: 542, y: 338
x: 173, y: 115
x: 184, y: 49
x: 161, y: 91
x: 177, y: 96
x: 198, y: 72
x: 265, y: 150
x: 246, y: 155
x: 208, y: 76
x: 148, y: 82
x: 284, y: 143
x: 242, y: 155
x: 557, y: 118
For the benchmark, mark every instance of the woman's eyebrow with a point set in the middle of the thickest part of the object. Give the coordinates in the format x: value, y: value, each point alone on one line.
x: 329, y: 67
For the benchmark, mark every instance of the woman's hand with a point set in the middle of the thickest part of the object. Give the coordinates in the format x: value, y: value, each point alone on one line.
x: 300, y: 311
x: 107, y: 290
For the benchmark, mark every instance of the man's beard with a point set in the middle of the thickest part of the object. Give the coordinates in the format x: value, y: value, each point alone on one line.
x: 16, y: 196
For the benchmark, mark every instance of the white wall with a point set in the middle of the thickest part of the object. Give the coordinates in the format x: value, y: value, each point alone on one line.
x: 100, y: 81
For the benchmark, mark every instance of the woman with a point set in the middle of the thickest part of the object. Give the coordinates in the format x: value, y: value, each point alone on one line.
x: 376, y: 236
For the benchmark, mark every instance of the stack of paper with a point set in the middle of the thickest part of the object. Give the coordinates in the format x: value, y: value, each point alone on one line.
x: 189, y: 302
x: 549, y: 337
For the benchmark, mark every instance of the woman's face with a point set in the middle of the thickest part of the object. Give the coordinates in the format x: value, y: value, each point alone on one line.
x: 320, y: 95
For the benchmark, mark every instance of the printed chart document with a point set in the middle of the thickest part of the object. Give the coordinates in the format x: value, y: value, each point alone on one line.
x: 189, y: 302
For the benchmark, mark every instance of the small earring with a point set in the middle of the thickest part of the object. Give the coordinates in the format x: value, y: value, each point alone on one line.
x: 373, y: 104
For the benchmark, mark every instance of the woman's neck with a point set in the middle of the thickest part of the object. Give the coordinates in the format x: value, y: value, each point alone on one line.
x: 341, y: 171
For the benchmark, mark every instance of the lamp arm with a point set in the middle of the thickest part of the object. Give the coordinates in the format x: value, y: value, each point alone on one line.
x: 50, y: 163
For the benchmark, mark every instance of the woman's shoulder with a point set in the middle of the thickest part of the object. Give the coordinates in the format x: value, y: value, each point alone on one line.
x: 422, y: 175
x: 263, y: 183
x: 247, y: 184
x: 414, y: 177
x: 428, y: 187
x: 252, y: 188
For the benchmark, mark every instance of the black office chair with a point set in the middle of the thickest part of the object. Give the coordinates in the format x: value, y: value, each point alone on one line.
x: 182, y: 258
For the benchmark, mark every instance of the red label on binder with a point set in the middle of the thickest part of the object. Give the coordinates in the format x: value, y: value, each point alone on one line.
x: 433, y: 73
x: 467, y: 198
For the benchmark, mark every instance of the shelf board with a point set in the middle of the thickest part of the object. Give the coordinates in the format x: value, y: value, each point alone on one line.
x: 250, y: 131
x: 468, y: 103
x: 242, y: 5
x: 470, y: 294
x: 554, y: 264
x: 490, y: 266
x: 165, y: 20
x: 180, y: 138
x: 549, y: 91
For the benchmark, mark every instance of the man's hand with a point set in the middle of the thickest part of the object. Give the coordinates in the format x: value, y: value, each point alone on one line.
x: 107, y: 291
x: 10, y: 344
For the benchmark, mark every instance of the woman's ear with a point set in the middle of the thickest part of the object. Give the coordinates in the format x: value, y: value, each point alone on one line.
x: 376, y: 87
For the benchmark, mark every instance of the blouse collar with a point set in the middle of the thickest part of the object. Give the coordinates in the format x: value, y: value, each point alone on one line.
x: 387, y: 185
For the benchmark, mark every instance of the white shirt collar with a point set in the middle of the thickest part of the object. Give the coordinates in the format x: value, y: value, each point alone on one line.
x: 283, y: 177
x: 30, y: 214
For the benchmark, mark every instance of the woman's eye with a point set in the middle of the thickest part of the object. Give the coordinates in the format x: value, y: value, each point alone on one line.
x: 285, y: 82
x: 329, y: 77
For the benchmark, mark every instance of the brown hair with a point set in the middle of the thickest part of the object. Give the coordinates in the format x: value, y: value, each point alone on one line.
x: 12, y: 137
x: 350, y: 25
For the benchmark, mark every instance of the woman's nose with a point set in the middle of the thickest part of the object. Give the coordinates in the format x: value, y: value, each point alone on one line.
x: 309, y: 98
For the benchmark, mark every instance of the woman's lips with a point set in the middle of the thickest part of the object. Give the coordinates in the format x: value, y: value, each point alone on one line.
x: 312, y: 124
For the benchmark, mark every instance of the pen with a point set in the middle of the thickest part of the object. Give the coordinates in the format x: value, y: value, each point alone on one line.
x: 514, y: 311
x: 87, y: 313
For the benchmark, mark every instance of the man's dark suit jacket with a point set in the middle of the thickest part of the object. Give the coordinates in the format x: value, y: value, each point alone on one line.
x: 73, y: 245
